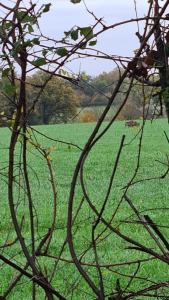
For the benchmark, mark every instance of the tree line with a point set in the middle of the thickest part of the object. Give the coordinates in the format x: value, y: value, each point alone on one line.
x: 60, y: 100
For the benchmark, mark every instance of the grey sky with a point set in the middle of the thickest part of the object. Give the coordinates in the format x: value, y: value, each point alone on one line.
x: 121, y: 41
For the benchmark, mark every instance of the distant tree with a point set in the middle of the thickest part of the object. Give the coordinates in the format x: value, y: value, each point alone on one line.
x: 57, y: 103
x: 95, y: 91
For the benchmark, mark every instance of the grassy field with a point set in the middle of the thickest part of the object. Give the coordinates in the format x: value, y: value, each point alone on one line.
x: 150, y: 197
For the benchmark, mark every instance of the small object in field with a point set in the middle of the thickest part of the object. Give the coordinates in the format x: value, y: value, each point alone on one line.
x: 132, y: 123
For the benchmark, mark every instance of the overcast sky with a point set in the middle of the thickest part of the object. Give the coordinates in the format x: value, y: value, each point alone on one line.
x: 64, y: 15
x: 122, y: 41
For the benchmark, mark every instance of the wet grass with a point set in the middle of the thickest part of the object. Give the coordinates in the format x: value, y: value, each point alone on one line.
x: 150, y: 197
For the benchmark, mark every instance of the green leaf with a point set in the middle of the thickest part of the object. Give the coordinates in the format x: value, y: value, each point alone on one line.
x: 46, y: 7
x: 44, y: 52
x: 83, y: 46
x: 23, y: 17
x: 74, y: 34
x: 5, y: 72
x: 67, y: 33
x: 39, y: 62
x: 8, y: 25
x: 86, y: 31
x: 28, y: 43
x: 62, y: 52
x: 93, y: 43
x: 30, y: 28
x: 75, y: 1
x: 36, y: 41
x: 17, y: 48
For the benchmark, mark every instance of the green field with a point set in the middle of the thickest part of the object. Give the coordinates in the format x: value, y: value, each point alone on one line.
x: 150, y: 197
